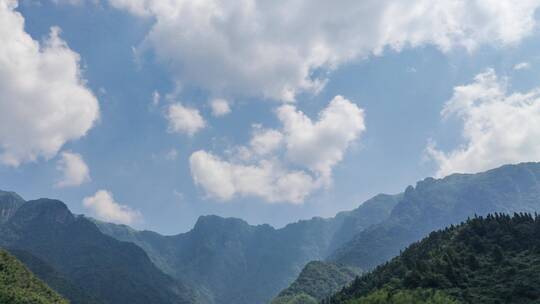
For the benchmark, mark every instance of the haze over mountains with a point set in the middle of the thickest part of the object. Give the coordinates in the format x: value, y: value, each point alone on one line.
x: 235, y: 262
x: 226, y: 260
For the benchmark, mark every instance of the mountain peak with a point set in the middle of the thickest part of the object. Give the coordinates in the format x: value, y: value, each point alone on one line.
x: 9, y: 203
x: 44, y: 209
x: 216, y: 222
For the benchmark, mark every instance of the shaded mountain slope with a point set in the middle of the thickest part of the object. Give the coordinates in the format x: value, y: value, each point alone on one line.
x: 437, y: 203
x: 484, y: 260
x: 109, y: 270
x: 243, y: 264
x: 19, y: 286
x: 54, y: 279
x: 317, y: 281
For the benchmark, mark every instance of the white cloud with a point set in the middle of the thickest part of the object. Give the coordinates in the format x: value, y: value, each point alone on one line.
x: 522, y: 66
x: 498, y: 127
x: 267, y: 179
x: 268, y: 49
x: 74, y: 170
x: 261, y: 169
x: 184, y: 119
x: 220, y: 107
x: 44, y: 101
x: 103, y: 206
x: 265, y: 141
x: 320, y: 145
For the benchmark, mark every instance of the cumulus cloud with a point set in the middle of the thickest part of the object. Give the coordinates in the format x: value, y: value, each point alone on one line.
x: 268, y: 49
x: 220, y: 107
x: 283, y: 165
x: 320, y: 145
x: 184, y: 119
x: 265, y: 141
x: 522, y: 66
x: 103, y: 207
x: 44, y: 101
x: 266, y: 179
x: 74, y: 170
x: 498, y: 127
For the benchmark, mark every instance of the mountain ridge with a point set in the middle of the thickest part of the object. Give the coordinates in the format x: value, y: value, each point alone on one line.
x: 436, y: 203
x: 110, y: 270
x: 226, y: 260
x: 257, y: 260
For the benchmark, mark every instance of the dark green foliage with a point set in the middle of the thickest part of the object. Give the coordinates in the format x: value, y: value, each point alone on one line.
x: 317, y: 281
x: 243, y: 264
x: 19, y: 286
x: 109, y: 270
x: 415, y: 296
x: 437, y: 203
x: 495, y: 259
x: 299, y: 298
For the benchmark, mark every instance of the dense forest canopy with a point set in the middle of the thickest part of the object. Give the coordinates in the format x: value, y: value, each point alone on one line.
x: 493, y: 259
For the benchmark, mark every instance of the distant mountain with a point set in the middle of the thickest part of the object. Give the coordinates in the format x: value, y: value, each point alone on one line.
x: 109, y: 270
x: 226, y: 260
x: 19, y: 286
x: 437, y: 203
x: 317, y: 281
x: 234, y: 262
x: 485, y: 260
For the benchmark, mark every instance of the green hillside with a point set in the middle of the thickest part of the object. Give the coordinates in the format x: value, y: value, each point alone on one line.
x: 19, y: 286
x: 317, y: 281
x: 495, y: 259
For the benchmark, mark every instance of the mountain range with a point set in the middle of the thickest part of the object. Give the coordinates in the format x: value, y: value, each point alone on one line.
x: 233, y: 262
x: 437, y: 203
x: 226, y: 260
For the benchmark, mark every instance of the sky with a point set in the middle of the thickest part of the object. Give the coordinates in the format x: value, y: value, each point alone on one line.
x: 152, y: 113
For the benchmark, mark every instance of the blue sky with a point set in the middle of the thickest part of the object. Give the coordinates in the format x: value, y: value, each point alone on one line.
x: 139, y: 170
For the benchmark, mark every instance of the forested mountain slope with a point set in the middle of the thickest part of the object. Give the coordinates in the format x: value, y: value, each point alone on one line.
x: 317, y: 281
x: 495, y: 259
x: 19, y: 286
x: 54, y: 279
